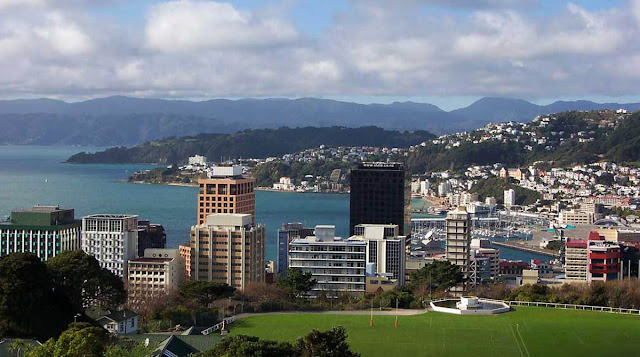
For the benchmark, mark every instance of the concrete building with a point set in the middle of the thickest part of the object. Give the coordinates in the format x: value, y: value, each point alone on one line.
x: 154, y: 276
x: 482, y: 247
x: 227, y: 249
x: 509, y: 197
x: 198, y: 160
x: 385, y: 248
x: 42, y: 230
x: 150, y: 235
x: 336, y: 263
x: 112, y: 239
x: 575, y: 217
x: 593, y: 259
x: 380, y: 194
x: 287, y: 233
x: 226, y: 191
x: 576, y: 260
x: 380, y: 283
x: 458, y: 241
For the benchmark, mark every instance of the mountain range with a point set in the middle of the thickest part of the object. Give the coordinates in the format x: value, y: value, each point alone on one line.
x: 121, y: 120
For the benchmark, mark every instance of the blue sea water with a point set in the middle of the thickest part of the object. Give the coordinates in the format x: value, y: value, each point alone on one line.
x: 31, y: 175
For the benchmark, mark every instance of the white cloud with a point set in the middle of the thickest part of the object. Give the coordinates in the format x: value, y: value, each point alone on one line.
x: 203, y: 49
x: 190, y: 25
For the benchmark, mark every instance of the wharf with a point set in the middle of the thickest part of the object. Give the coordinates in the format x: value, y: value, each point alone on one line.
x: 525, y: 248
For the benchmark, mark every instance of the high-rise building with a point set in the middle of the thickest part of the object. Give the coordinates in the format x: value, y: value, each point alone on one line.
x: 42, y: 230
x: 482, y: 247
x: 152, y: 277
x: 150, y: 235
x: 458, y: 242
x: 112, y: 239
x: 227, y: 249
x: 593, y: 259
x: 380, y: 194
x: 226, y: 191
x: 337, y: 264
x: 287, y: 233
x: 385, y: 248
x: 509, y: 197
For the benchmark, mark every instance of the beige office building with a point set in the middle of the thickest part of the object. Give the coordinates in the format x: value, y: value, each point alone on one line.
x: 458, y: 242
x: 154, y: 276
x: 227, y: 191
x: 227, y: 249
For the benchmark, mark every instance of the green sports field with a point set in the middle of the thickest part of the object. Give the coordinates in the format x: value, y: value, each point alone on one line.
x: 526, y: 332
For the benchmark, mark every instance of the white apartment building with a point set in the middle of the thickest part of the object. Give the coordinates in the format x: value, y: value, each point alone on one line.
x: 337, y: 264
x: 198, y: 160
x: 509, y: 197
x: 385, y: 248
x: 112, y: 239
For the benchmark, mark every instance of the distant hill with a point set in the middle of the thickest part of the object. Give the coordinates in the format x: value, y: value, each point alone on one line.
x: 260, y: 143
x: 128, y: 121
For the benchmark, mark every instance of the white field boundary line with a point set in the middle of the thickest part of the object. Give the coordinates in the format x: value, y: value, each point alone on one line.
x: 516, y: 339
x: 522, y: 340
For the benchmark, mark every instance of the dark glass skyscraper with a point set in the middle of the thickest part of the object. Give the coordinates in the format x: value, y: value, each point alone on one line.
x: 380, y: 194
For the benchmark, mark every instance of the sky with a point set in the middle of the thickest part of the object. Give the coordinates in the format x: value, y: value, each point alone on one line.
x: 445, y: 52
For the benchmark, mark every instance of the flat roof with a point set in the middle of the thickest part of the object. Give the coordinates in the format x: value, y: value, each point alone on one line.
x: 151, y: 260
x: 110, y: 216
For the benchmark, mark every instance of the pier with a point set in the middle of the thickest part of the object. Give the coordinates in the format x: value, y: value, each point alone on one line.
x: 525, y: 248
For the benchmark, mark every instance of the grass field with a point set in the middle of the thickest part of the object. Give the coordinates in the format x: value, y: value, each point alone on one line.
x: 526, y: 332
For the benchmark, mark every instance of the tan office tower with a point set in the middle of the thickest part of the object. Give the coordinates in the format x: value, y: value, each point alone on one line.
x: 226, y: 191
x: 458, y: 243
x: 227, y: 249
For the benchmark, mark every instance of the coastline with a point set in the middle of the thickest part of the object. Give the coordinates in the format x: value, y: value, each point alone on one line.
x: 162, y: 184
x: 268, y: 189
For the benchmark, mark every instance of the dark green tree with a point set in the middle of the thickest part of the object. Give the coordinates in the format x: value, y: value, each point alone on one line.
x: 331, y: 343
x: 296, y: 283
x: 249, y: 346
x: 29, y: 306
x: 205, y: 292
x: 81, y: 279
x: 79, y: 340
x: 437, y: 276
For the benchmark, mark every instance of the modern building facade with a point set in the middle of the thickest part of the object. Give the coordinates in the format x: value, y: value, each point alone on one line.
x: 593, y: 259
x: 154, y: 276
x: 42, y: 230
x: 458, y: 242
x: 380, y: 194
x: 150, y: 235
x: 385, y: 248
x: 227, y: 249
x: 509, y: 197
x: 575, y: 217
x: 112, y: 239
x: 337, y: 264
x: 226, y: 191
x: 287, y: 233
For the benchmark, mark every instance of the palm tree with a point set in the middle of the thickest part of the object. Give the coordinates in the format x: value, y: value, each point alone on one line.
x: 20, y: 347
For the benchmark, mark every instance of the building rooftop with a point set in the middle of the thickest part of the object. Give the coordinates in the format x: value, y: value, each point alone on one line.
x: 151, y: 260
x: 110, y: 216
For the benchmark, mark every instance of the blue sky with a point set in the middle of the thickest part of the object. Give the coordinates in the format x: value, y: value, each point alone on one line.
x: 445, y: 52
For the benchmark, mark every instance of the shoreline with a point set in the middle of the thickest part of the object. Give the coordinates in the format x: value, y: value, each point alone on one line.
x: 161, y: 184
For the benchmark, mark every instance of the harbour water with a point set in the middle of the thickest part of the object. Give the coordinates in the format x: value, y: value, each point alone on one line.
x: 31, y: 175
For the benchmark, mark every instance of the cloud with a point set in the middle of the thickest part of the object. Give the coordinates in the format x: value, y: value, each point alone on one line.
x: 190, y: 25
x: 204, y: 49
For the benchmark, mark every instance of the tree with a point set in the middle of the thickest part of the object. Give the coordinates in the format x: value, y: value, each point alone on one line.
x: 296, y: 283
x: 331, y: 343
x: 249, y: 346
x: 205, y: 292
x: 437, y: 276
x: 79, y: 340
x: 28, y: 304
x: 79, y: 276
x: 20, y: 347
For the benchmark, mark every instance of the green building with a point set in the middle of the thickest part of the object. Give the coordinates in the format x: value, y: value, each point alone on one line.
x: 42, y: 230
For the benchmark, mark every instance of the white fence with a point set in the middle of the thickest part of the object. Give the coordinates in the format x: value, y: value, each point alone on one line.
x: 218, y: 326
x: 615, y: 310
